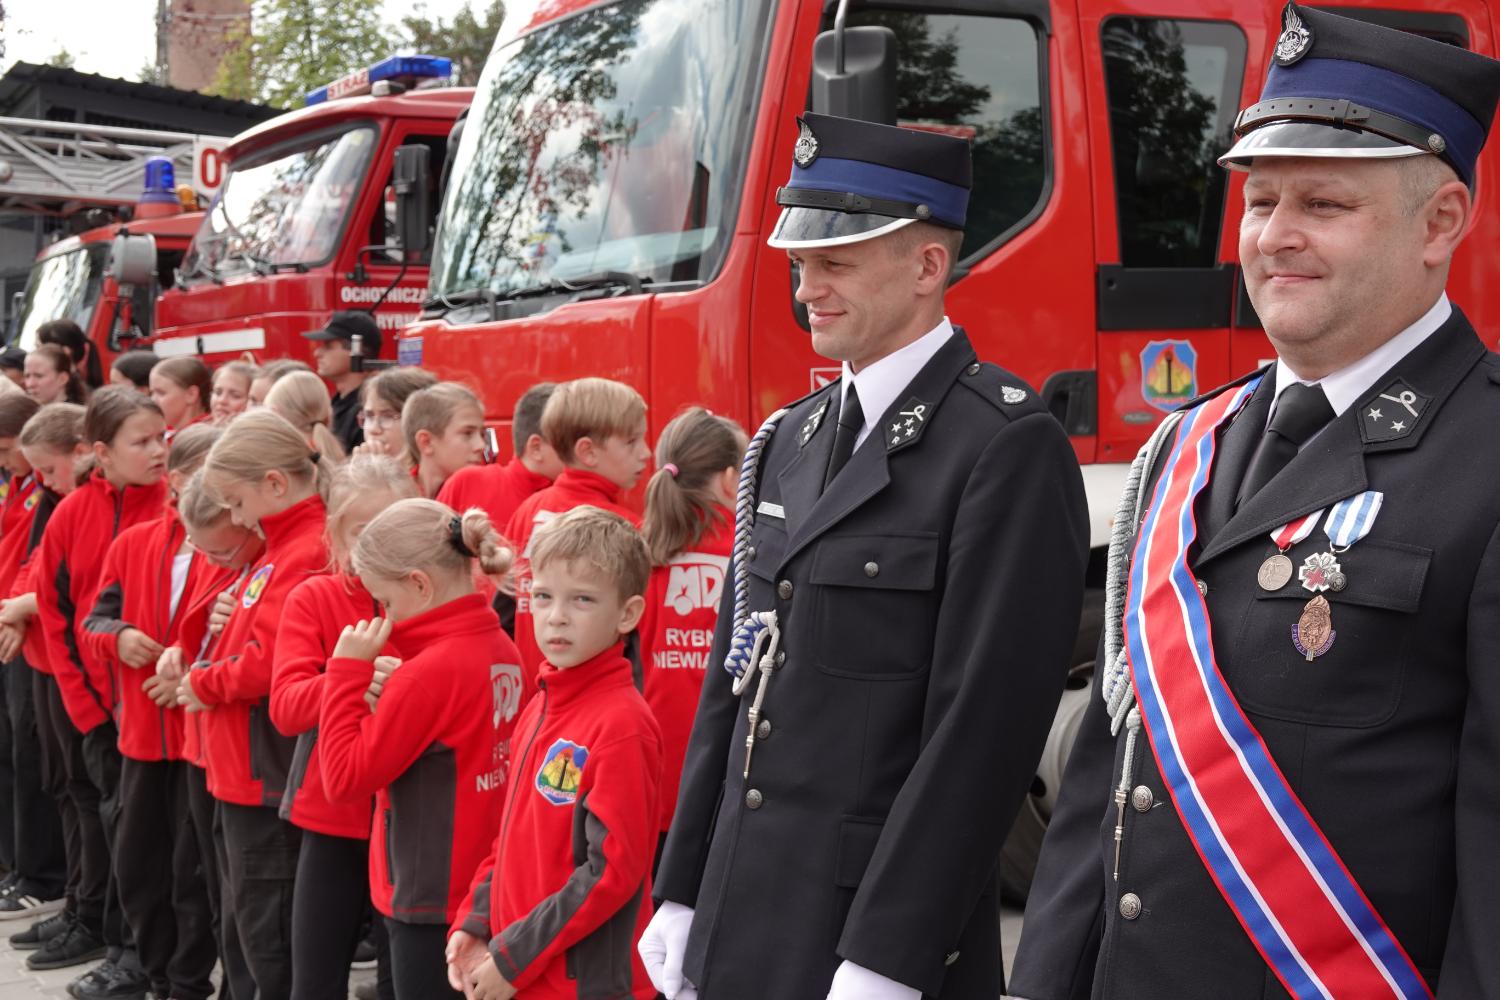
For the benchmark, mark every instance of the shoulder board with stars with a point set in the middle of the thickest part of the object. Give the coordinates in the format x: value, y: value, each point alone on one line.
x: 1392, y: 413
x: 813, y: 422
x: 906, y: 425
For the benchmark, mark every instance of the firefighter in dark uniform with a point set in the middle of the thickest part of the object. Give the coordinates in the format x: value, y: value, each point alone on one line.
x: 1289, y: 781
x: 909, y: 568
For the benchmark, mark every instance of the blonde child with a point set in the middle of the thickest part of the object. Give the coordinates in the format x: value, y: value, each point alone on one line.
x: 444, y: 430
x: 231, y: 390
x: 382, y: 399
x: 436, y: 749
x: 181, y: 387
x: 302, y: 399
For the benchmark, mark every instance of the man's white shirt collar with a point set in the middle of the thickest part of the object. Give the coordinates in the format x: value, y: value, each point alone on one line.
x: 880, y: 383
x: 1349, y: 384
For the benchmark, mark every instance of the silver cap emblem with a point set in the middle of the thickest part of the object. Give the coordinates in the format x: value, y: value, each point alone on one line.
x: 1296, y: 38
x: 807, y: 146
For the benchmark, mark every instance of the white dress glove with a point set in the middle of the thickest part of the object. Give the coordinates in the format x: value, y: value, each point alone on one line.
x: 662, y: 947
x: 855, y: 982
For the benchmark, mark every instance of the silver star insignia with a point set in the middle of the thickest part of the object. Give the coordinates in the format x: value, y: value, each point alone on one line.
x: 910, y: 423
x: 1375, y: 414
x: 896, y: 427
x: 1398, y: 426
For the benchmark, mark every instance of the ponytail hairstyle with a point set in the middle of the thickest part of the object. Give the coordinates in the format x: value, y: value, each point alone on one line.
x: 198, y: 508
x: 59, y: 427
x: 70, y: 337
x: 360, y: 477
x: 302, y: 398
x: 418, y: 534
x: 108, y: 410
x: 190, y: 448
x: 433, y: 409
x: 62, y: 362
x: 259, y: 442
x: 681, y: 502
x: 188, y: 372
x: 15, y: 409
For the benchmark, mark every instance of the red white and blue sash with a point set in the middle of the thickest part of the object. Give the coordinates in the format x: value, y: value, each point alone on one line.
x: 1278, y: 873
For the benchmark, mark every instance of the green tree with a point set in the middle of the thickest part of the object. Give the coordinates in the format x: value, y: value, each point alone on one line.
x: 293, y: 46
x: 151, y: 73
x: 62, y: 59
x: 466, y: 40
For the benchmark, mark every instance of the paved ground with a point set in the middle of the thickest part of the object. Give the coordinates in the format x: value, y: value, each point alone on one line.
x: 19, y: 983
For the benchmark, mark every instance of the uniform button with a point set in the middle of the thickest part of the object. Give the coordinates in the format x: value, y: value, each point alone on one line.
x: 784, y: 590
x: 973, y: 369
x: 753, y: 800
x: 872, y: 569
x: 952, y: 957
x: 1202, y: 588
x: 1142, y: 799
x: 763, y: 729
x: 780, y: 659
x: 750, y: 552
x: 1130, y: 903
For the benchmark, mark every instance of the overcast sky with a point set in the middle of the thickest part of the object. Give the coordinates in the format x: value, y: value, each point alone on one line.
x: 111, y: 37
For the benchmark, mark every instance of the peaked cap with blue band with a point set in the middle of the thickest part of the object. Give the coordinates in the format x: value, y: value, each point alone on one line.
x: 856, y: 180
x: 1345, y: 88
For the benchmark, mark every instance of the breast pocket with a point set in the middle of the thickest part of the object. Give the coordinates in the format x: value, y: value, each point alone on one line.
x: 874, y: 604
x: 1357, y: 682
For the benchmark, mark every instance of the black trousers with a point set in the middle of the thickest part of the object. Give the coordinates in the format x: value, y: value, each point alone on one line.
x: 93, y: 858
x: 162, y: 890
x: 203, y: 814
x: 419, y: 967
x: 46, y: 701
x: 100, y: 748
x: 38, y: 858
x: 260, y: 870
x: 328, y: 907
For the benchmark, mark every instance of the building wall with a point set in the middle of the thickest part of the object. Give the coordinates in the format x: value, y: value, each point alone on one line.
x: 198, y: 34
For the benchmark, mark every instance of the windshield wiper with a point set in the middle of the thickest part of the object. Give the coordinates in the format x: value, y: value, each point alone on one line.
x: 582, y: 283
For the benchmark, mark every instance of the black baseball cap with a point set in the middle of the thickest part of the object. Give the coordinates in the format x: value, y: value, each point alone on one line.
x: 346, y: 326
x: 13, y: 357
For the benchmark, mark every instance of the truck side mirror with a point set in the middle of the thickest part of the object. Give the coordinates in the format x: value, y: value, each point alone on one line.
x: 854, y: 71
x: 413, y: 200
x: 132, y: 259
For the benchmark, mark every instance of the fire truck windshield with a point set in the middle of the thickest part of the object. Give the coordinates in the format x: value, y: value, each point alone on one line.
x: 62, y: 286
x: 613, y: 141
x: 287, y: 210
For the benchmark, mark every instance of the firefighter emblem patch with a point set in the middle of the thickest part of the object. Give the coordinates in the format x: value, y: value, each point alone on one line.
x: 806, y: 149
x: 257, y: 586
x: 562, y: 772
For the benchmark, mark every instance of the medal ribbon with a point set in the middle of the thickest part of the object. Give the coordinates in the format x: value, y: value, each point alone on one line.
x: 1350, y: 520
x: 1284, y: 882
x: 1290, y: 534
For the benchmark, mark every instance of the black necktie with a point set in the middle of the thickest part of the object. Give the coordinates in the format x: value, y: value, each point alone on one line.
x: 851, y: 419
x: 1301, y: 411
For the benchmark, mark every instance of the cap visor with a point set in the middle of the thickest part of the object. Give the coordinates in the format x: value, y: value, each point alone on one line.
x: 805, y: 228
x: 1313, y: 140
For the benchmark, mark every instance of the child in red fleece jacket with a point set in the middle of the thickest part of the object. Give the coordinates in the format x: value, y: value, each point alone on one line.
x: 436, y: 749
x: 332, y: 890
x: 598, y: 427
x: 689, y: 531
x: 262, y: 470
x: 555, y: 911
x: 143, y: 596
x: 500, y: 489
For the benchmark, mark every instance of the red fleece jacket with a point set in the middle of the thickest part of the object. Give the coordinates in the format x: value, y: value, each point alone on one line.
x: 135, y: 591
x: 315, y: 615
x: 574, y: 488
x: 497, y: 489
x: 570, y: 871
x: 435, y: 752
x: 677, y: 630
x: 67, y: 570
x: 193, y: 638
x: 21, y: 498
x: 248, y: 759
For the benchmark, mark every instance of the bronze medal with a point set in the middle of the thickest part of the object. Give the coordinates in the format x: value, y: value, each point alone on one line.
x: 1313, y: 634
x: 1275, y: 572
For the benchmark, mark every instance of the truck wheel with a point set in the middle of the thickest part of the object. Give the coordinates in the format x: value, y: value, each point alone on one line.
x: 1023, y: 846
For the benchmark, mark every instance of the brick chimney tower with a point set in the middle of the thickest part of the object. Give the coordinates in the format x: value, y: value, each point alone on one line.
x: 193, y: 36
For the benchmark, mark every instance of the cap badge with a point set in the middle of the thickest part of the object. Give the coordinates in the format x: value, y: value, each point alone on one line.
x: 1011, y: 395
x: 1436, y: 143
x: 1296, y: 38
x: 807, y: 146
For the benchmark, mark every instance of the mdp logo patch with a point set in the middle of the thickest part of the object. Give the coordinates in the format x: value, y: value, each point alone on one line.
x: 257, y: 585
x: 562, y: 772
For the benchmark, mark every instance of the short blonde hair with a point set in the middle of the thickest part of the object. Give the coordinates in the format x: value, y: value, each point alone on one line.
x: 594, y: 408
x: 433, y: 409
x: 197, y: 507
x: 604, y: 541
x: 302, y: 398
x: 418, y: 534
x: 360, y: 477
x: 257, y: 443
x: 190, y: 447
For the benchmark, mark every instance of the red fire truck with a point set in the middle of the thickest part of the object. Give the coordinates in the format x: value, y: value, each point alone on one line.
x: 303, y: 225
x: 614, y: 187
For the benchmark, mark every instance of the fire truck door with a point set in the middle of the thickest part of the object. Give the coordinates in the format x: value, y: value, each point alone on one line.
x: 1165, y: 81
